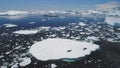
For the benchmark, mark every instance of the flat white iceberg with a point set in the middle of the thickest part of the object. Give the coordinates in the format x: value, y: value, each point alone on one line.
x: 26, y: 32
x: 10, y: 25
x: 58, y: 49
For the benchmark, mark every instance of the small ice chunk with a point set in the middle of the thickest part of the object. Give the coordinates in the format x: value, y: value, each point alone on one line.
x: 31, y: 22
x: 1, y: 56
x: 81, y: 24
x: 10, y: 25
x: 53, y: 66
x: 25, y: 61
x: 15, y: 65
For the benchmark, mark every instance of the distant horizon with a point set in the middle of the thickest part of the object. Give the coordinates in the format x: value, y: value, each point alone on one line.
x: 30, y: 5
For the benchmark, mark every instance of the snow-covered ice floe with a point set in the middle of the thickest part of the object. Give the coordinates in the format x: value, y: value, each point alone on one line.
x: 26, y: 32
x: 10, y: 25
x: 61, y: 49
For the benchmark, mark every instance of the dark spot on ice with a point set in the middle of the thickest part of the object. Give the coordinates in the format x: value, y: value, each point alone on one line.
x: 84, y: 48
x: 69, y: 50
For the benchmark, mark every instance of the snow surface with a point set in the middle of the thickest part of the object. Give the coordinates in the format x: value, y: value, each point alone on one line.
x: 112, y: 20
x: 26, y: 32
x: 55, y: 49
x: 10, y: 25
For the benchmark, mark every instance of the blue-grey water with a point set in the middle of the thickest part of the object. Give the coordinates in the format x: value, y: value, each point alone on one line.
x: 23, y: 21
x: 39, y: 20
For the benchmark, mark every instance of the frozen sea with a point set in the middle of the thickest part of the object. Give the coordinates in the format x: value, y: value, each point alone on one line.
x: 15, y: 42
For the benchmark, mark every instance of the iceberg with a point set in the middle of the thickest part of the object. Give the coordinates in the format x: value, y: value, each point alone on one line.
x: 61, y: 49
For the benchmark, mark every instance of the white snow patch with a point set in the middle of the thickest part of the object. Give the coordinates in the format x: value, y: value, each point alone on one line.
x: 55, y: 49
x: 10, y: 25
x: 26, y: 32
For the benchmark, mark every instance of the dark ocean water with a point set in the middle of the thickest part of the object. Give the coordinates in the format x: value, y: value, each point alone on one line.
x: 39, y: 20
x: 23, y: 21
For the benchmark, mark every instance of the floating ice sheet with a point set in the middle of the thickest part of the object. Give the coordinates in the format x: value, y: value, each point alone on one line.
x: 56, y: 49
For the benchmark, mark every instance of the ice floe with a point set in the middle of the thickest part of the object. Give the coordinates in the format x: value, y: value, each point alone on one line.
x: 81, y: 24
x: 10, y: 25
x: 53, y: 66
x: 31, y: 22
x: 25, y: 61
x: 56, y: 49
x: 26, y: 32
